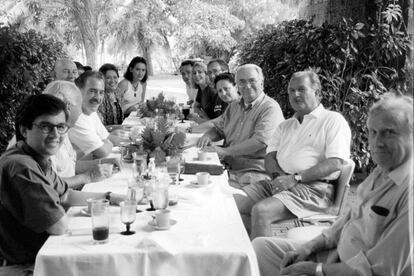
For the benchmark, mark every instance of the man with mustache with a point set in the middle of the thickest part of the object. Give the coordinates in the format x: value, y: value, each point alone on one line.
x: 304, y: 159
x: 89, y: 136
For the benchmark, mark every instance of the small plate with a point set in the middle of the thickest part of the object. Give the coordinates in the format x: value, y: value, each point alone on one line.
x: 156, y: 227
x: 85, y: 212
x: 195, y: 183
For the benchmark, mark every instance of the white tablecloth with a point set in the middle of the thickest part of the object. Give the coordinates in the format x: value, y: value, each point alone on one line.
x: 208, y: 238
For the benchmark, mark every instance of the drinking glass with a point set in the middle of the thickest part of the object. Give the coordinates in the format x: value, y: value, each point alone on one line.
x: 160, y: 194
x: 128, y: 215
x: 182, y: 168
x: 100, y: 220
x: 173, y: 168
x: 186, y: 112
x: 139, y: 166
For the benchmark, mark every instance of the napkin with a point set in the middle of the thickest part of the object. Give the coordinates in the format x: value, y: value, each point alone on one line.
x: 193, y: 168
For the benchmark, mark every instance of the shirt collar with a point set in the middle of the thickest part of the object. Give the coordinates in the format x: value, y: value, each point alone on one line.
x: 253, y: 103
x: 316, y: 113
x: 44, y: 163
x: 400, y: 174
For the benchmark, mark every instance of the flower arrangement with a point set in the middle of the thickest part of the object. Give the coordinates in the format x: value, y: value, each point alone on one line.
x: 158, y: 106
x: 159, y: 141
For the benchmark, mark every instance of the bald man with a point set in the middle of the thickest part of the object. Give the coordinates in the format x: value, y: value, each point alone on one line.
x: 65, y: 69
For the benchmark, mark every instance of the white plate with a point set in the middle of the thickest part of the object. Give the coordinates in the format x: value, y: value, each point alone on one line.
x: 85, y: 212
x: 194, y: 183
x: 156, y: 227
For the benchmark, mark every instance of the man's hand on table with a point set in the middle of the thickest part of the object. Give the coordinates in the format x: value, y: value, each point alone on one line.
x: 219, y: 150
x: 113, y: 160
x: 204, y: 141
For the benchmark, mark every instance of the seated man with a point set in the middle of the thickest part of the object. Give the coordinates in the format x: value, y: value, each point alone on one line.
x: 227, y: 91
x: 246, y: 126
x: 75, y: 172
x: 64, y: 162
x: 89, y: 136
x: 186, y: 71
x: 208, y: 105
x: 373, y: 237
x: 32, y: 197
x: 65, y: 69
x: 304, y: 159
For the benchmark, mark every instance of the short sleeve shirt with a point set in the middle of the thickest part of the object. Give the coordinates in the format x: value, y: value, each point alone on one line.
x: 256, y: 121
x: 88, y: 134
x: 210, y: 102
x: 30, y: 202
x: 322, y: 134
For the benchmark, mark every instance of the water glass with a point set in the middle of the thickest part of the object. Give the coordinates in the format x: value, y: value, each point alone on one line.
x: 160, y: 195
x: 173, y: 168
x: 100, y: 220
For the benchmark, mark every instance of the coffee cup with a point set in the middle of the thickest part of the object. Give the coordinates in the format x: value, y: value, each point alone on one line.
x: 89, y: 202
x: 162, y: 218
x: 202, y: 178
x: 202, y: 155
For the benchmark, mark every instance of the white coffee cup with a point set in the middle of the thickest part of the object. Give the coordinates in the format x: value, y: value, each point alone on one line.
x: 89, y: 202
x: 202, y: 178
x: 162, y: 218
x: 202, y: 155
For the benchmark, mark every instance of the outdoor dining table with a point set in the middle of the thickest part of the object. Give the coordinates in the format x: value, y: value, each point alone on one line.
x: 207, y: 237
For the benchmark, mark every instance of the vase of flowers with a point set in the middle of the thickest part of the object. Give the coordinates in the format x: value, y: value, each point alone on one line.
x: 159, y: 140
x: 157, y: 106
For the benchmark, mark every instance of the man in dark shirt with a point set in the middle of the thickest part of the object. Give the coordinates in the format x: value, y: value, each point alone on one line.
x: 32, y: 197
x: 210, y: 102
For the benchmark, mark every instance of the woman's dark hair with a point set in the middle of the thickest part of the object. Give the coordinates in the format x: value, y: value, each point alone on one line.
x: 108, y: 67
x: 225, y: 76
x: 134, y: 61
x: 35, y: 106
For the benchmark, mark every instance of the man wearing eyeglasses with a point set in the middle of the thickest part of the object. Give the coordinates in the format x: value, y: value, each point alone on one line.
x: 32, y: 195
x: 246, y: 126
x: 89, y: 136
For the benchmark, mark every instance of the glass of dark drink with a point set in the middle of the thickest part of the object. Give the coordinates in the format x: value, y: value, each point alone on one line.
x: 186, y: 112
x: 128, y: 215
x: 100, y: 220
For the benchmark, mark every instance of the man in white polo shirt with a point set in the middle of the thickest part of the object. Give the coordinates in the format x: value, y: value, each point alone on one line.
x: 89, y: 136
x: 304, y: 159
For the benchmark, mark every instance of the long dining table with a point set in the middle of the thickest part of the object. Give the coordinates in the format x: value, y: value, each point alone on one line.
x: 207, y: 236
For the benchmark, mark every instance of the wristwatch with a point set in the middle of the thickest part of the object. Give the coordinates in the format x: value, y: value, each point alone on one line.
x: 319, y: 270
x: 298, y: 178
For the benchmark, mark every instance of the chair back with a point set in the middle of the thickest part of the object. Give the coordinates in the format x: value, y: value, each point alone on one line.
x: 341, y: 190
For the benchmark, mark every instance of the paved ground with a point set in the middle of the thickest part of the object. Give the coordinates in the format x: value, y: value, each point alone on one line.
x: 171, y: 85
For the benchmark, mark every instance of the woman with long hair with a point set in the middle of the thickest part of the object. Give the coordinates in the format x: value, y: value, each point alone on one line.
x: 110, y: 110
x: 133, y: 87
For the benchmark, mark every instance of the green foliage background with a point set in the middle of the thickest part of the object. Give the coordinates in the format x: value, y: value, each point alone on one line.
x: 27, y: 59
x: 356, y: 63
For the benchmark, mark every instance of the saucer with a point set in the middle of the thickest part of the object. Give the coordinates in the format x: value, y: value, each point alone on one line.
x: 85, y: 212
x: 156, y: 227
x: 195, y: 183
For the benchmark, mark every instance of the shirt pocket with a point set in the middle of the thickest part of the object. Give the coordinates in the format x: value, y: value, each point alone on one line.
x: 374, y: 227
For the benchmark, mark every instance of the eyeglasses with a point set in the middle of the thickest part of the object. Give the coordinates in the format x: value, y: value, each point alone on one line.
x: 245, y: 82
x: 47, y: 128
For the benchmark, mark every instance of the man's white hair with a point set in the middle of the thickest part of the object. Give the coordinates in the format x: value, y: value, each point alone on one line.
x: 251, y: 66
x: 392, y: 102
x: 65, y: 90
